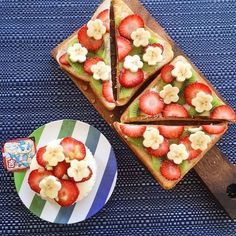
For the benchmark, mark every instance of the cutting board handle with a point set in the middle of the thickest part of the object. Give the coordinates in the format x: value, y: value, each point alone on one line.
x: 219, y: 175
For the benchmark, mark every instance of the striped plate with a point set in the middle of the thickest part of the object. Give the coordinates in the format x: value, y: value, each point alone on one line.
x: 105, y: 181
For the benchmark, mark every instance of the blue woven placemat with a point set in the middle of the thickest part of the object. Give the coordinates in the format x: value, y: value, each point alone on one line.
x: 34, y: 91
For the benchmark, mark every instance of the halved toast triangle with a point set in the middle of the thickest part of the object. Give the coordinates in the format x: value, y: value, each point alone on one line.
x: 179, y: 92
x: 98, y: 51
x: 151, y: 52
x: 177, y: 150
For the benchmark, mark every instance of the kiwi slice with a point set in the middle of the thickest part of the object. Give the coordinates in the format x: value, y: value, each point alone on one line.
x: 184, y: 166
x: 179, y: 85
x: 136, y: 51
x: 78, y: 68
x: 156, y: 163
x: 97, y: 85
x: 134, y: 109
x: 138, y: 142
x: 192, y: 112
x: 125, y: 92
x: 181, y: 100
x: 147, y: 68
x: 193, y: 79
x: 153, y: 40
x: 216, y: 102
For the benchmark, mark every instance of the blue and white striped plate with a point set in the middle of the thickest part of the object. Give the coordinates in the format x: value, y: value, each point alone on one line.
x: 105, y: 180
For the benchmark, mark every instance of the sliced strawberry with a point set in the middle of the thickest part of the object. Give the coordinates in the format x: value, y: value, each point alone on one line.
x: 129, y: 79
x: 192, y: 152
x: 107, y: 91
x: 87, y: 177
x: 161, y: 151
x: 156, y: 45
x: 151, y: 103
x: 124, y: 47
x: 170, y: 170
x: 90, y: 43
x: 166, y: 73
x: 64, y: 60
x: 175, y: 110
x: 171, y: 132
x: 35, y: 177
x: 39, y: 156
x: 60, y: 169
x: 133, y: 131
x: 223, y: 112
x: 73, y: 148
x: 130, y: 24
x: 90, y: 62
x: 68, y: 193
x: 191, y: 91
x: 214, y: 129
x: 104, y: 17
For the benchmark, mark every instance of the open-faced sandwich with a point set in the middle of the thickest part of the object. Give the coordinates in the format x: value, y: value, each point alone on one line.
x: 86, y: 55
x: 140, y: 51
x: 169, y: 152
x: 64, y: 171
x: 179, y: 92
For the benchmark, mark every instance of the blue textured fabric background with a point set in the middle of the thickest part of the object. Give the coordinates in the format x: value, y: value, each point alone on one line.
x: 34, y: 91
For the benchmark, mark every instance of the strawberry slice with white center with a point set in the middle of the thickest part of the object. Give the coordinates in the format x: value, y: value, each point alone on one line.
x: 104, y: 17
x: 73, y: 148
x: 171, y: 132
x: 170, y: 170
x: 90, y: 43
x: 175, y: 110
x: 64, y: 60
x: 133, y: 131
x: 39, y: 156
x: 129, y: 79
x: 193, y: 89
x: 192, y: 152
x: 161, y: 151
x: 124, y: 47
x: 223, y: 112
x: 156, y: 45
x: 90, y: 62
x: 214, y: 129
x: 35, y: 177
x: 68, y: 193
x: 107, y: 91
x: 60, y: 169
x: 151, y: 103
x: 129, y: 24
x: 166, y: 73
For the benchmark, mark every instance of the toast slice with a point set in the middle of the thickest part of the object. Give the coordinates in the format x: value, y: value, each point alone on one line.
x: 98, y: 50
x: 183, y: 96
x: 151, y: 53
x: 169, y: 152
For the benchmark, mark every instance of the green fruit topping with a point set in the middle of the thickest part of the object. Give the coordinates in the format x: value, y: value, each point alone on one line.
x: 181, y: 100
x: 97, y: 85
x: 134, y: 109
x: 216, y: 102
x: 125, y: 92
x: 161, y: 84
x: 153, y: 40
x: 184, y: 166
x: 147, y: 68
x: 78, y: 68
x: 136, y: 51
x: 156, y: 163
x: 179, y: 85
x: 192, y: 111
x: 138, y: 142
x: 193, y: 79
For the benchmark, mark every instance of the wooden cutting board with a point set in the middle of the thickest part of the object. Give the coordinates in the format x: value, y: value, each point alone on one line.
x: 214, y: 169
